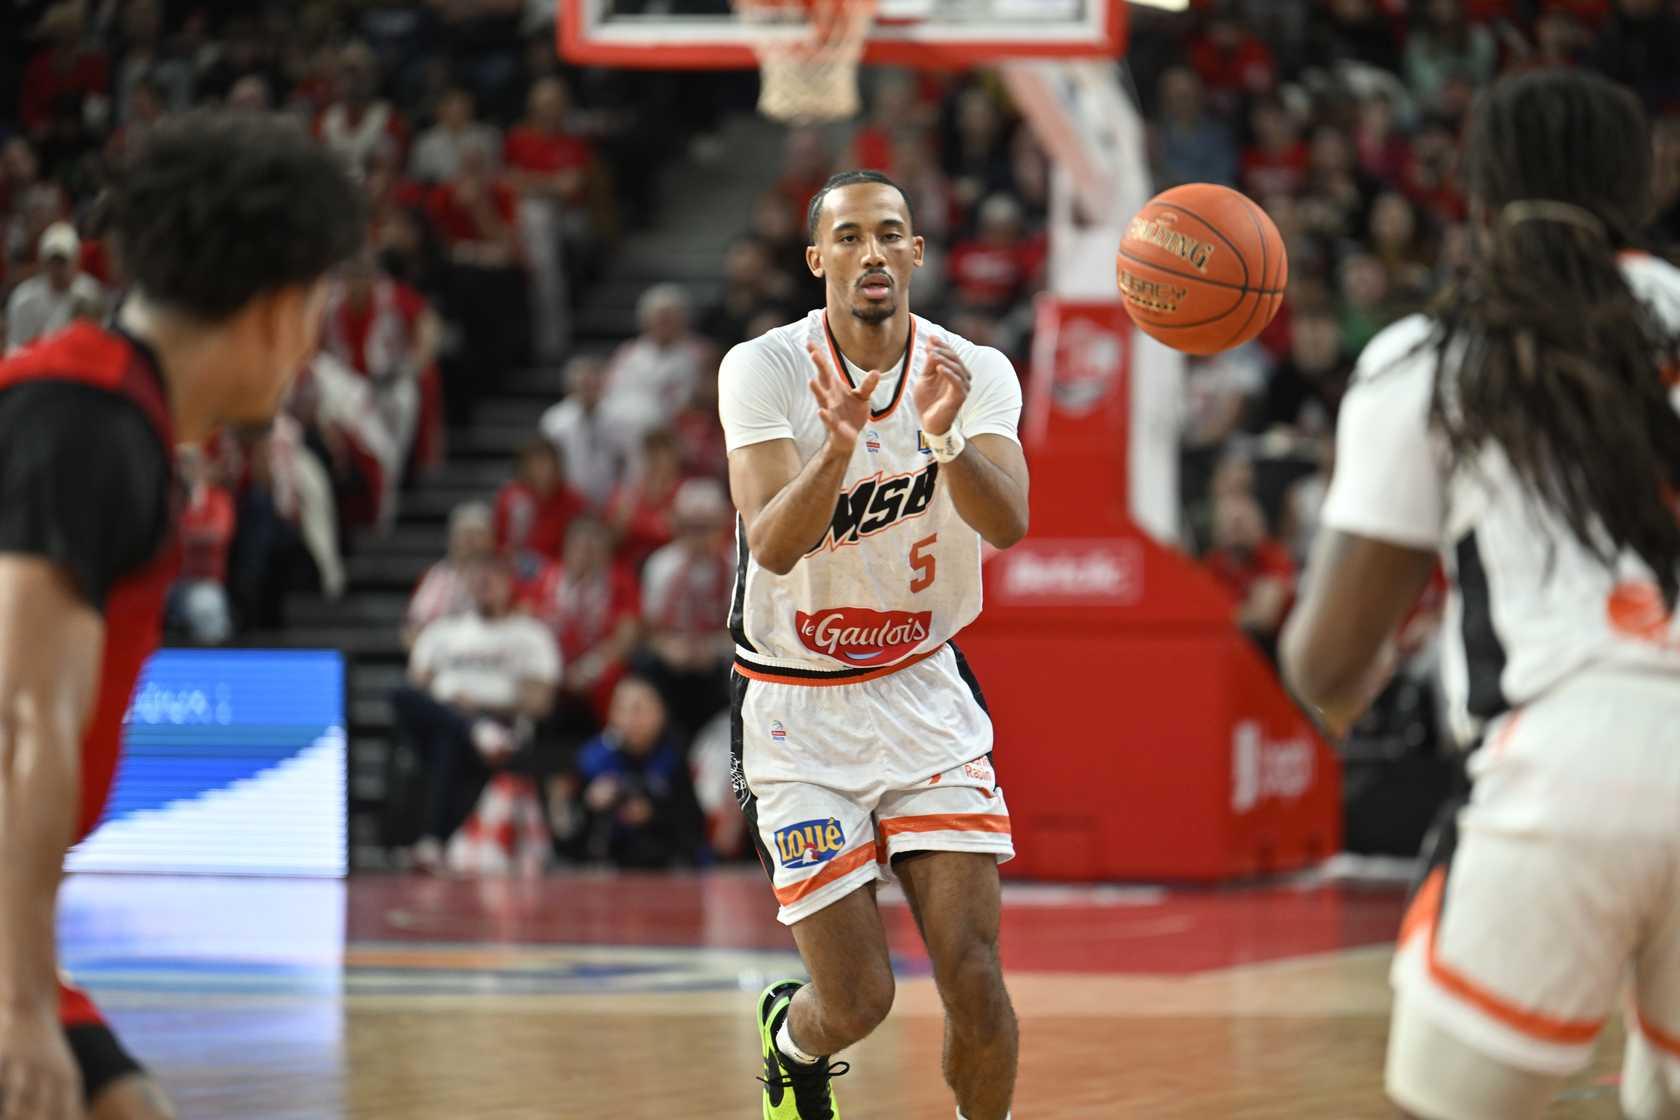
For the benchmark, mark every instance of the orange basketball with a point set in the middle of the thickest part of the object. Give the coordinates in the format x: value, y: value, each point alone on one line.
x: 1202, y: 268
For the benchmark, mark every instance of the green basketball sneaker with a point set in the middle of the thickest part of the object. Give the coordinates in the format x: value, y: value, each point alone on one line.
x: 792, y: 1091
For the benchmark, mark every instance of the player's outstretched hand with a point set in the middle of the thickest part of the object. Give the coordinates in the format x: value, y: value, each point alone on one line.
x: 844, y: 410
x: 941, y: 389
x: 38, y: 1075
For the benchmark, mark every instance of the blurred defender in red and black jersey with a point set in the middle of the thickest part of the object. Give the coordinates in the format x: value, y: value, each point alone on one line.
x: 227, y: 227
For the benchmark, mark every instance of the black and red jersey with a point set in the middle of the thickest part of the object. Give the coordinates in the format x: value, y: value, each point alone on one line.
x: 86, y: 481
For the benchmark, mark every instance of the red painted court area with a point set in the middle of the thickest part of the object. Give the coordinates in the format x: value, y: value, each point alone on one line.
x: 1045, y: 929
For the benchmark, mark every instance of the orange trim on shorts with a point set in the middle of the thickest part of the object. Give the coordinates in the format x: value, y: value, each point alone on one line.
x: 1424, y: 916
x: 829, y: 682
x: 1420, y: 915
x: 947, y: 822
x: 843, y: 864
x: 1657, y: 1037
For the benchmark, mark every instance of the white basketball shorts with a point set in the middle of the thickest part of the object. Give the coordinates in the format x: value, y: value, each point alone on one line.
x: 840, y: 775
x: 1563, y: 881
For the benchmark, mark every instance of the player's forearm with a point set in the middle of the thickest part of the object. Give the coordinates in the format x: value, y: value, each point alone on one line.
x: 794, y: 521
x: 40, y: 801
x: 993, y: 504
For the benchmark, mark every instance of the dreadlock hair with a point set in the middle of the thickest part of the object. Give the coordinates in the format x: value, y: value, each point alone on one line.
x: 1543, y: 348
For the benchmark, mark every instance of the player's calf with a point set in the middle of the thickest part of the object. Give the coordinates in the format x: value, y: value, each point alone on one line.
x: 981, y: 1034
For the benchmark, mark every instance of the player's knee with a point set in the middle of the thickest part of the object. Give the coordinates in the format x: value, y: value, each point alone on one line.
x: 866, y: 1003
x: 970, y: 981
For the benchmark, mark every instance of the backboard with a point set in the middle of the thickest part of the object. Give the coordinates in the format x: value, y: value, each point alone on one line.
x: 708, y: 34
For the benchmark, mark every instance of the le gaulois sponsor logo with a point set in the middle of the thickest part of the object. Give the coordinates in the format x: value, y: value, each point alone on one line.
x: 863, y: 637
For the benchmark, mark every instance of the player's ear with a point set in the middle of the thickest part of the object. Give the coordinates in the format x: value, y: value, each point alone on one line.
x: 917, y: 248
x: 813, y: 260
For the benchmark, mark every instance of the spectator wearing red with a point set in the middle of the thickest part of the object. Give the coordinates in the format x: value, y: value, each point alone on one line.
x: 385, y: 331
x: 358, y: 123
x: 1232, y: 61
x: 444, y: 590
x: 592, y: 607
x: 198, y: 603
x: 1000, y: 267
x: 686, y: 591
x: 550, y: 168
x: 66, y: 70
x: 640, y: 512
x: 476, y: 213
x: 1382, y: 149
x: 543, y: 156
x: 534, y: 510
x: 699, y: 434
x: 1253, y: 566
x: 1276, y: 163
x: 392, y: 199
x: 476, y: 216
x: 895, y: 105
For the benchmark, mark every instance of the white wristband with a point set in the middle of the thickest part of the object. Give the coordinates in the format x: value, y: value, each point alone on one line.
x: 947, y: 446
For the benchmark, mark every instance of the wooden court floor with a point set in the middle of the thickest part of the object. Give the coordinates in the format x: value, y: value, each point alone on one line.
x: 597, y: 996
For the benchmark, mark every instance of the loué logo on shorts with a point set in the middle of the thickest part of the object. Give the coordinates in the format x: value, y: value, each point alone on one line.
x: 861, y: 636
x: 809, y: 843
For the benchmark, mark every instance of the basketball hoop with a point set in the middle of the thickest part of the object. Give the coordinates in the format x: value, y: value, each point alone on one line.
x: 808, y: 55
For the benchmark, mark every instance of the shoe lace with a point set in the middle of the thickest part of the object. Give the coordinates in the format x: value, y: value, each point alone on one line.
x: 810, y: 1087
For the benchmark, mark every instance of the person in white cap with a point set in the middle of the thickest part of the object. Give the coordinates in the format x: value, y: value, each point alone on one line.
x: 47, y: 301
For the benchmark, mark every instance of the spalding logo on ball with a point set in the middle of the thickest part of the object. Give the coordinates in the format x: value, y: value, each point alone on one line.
x: 1202, y: 268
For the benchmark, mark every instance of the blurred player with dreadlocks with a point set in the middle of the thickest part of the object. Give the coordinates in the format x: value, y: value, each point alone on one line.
x: 1525, y: 435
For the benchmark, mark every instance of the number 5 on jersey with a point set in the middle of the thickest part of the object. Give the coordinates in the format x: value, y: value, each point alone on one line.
x: 924, y: 563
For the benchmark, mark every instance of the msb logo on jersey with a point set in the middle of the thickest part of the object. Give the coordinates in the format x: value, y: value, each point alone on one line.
x: 809, y: 843
x: 878, y: 503
x: 860, y: 636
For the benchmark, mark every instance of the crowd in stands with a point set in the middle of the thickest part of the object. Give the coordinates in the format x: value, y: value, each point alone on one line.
x: 495, y: 181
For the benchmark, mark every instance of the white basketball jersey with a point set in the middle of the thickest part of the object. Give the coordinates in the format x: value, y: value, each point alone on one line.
x: 897, y: 574
x: 1529, y: 606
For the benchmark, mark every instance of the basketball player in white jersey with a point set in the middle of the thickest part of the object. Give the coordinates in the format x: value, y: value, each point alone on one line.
x: 870, y: 454
x: 1525, y: 436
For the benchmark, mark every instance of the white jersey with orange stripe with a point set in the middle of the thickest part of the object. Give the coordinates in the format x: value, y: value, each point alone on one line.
x: 897, y: 575
x: 1529, y: 606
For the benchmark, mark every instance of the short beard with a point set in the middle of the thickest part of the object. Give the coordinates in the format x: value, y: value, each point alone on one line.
x: 874, y: 313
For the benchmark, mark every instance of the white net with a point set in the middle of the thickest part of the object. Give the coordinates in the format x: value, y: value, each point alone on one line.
x: 808, y: 52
